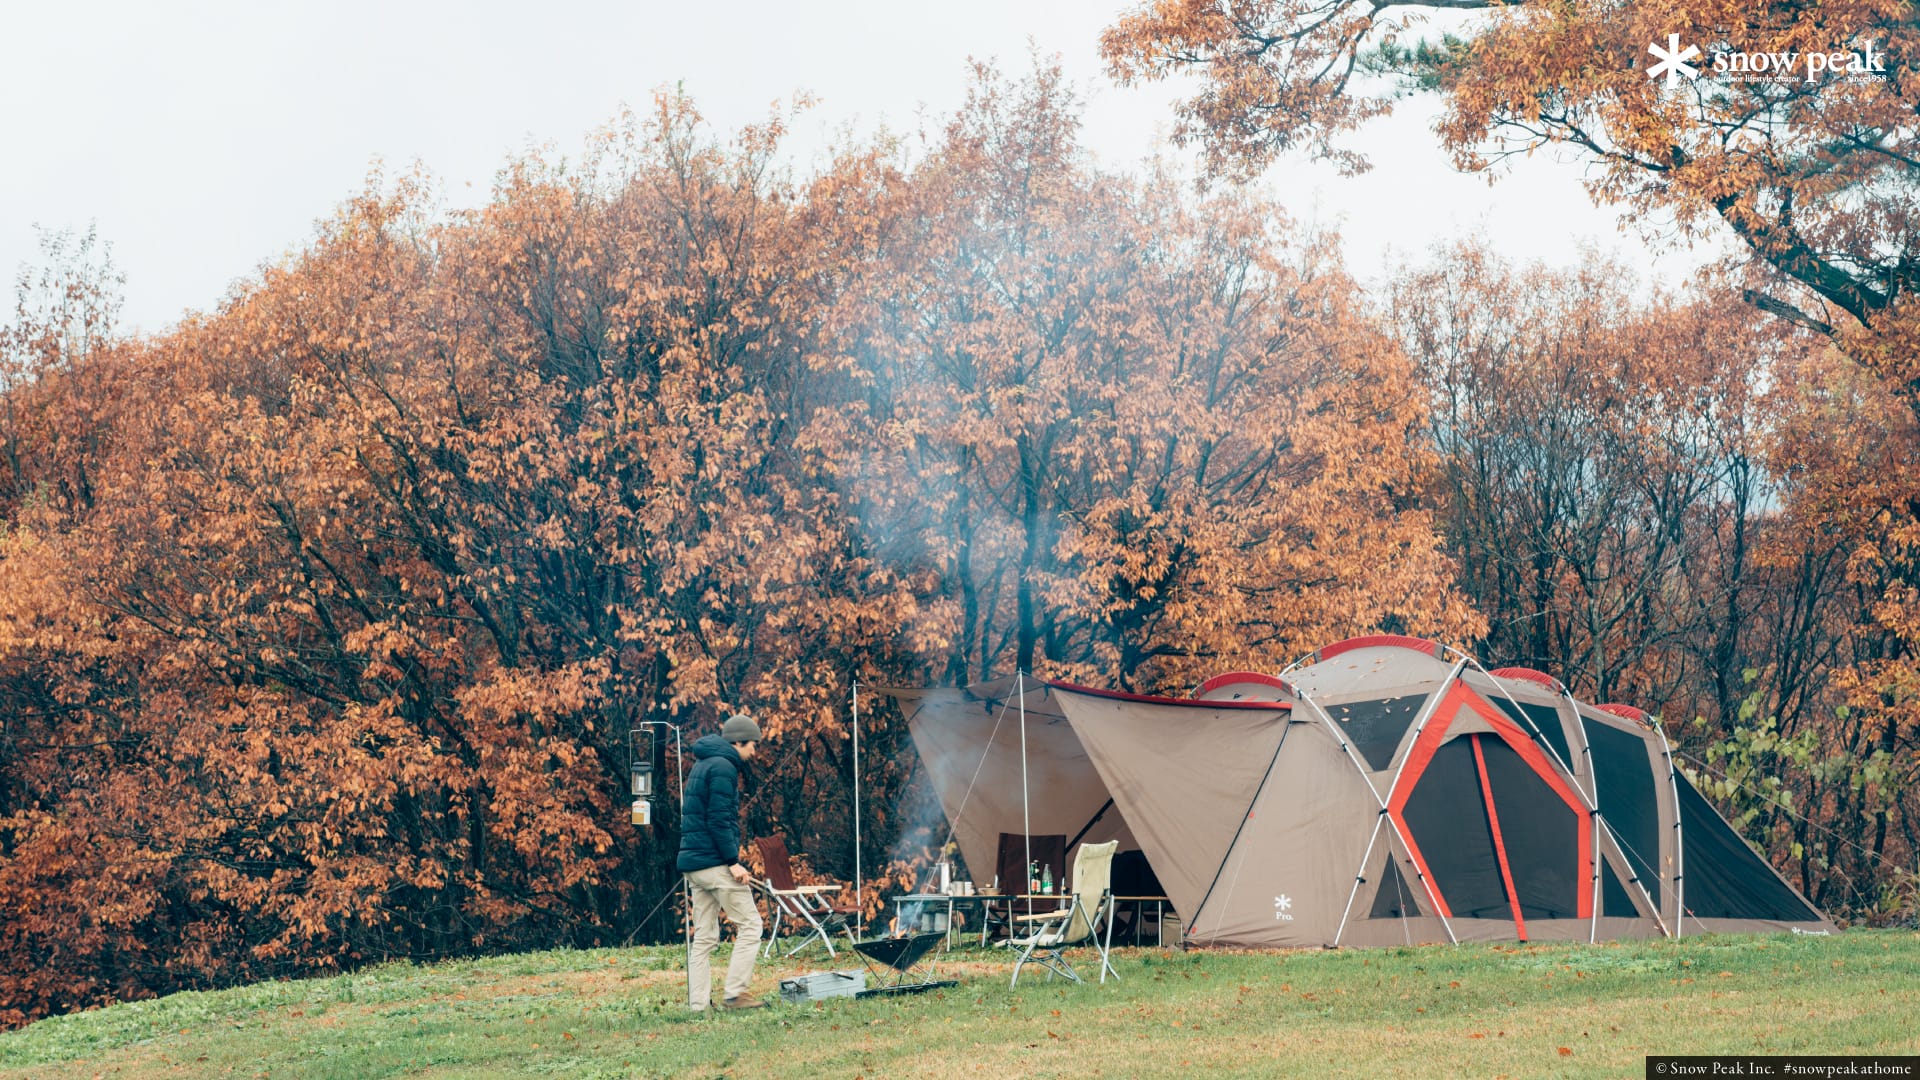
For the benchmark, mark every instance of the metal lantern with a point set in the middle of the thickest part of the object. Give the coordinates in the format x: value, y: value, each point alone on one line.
x: 643, y: 765
x: 642, y: 777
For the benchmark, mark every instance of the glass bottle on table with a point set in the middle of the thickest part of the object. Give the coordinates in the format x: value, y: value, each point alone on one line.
x: 1046, y: 880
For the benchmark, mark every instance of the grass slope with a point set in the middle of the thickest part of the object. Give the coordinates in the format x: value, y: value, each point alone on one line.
x: 1481, y: 1010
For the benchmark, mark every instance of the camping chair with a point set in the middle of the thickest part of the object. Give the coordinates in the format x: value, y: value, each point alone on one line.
x: 1088, y: 912
x: 800, y: 904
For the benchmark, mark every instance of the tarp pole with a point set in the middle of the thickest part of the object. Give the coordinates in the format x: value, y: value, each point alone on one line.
x: 1026, y: 821
x: 859, y: 882
x: 1679, y: 852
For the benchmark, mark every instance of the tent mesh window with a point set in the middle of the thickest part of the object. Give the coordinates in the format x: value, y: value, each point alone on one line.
x: 1448, y: 821
x: 1614, y: 901
x: 1541, y: 834
x: 1395, y: 899
x: 1725, y: 878
x: 1447, y: 816
x: 1545, y: 717
x: 1623, y: 776
x: 1375, y: 727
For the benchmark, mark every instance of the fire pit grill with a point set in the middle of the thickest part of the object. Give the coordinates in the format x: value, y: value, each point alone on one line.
x: 898, y: 955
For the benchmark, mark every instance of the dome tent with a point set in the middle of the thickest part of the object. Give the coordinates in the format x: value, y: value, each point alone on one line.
x: 1383, y: 791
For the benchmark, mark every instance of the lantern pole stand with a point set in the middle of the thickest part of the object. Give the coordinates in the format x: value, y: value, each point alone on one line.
x: 859, y: 882
x: 680, y: 771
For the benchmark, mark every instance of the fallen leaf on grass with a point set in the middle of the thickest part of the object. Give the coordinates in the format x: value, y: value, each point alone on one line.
x: 1566, y: 1051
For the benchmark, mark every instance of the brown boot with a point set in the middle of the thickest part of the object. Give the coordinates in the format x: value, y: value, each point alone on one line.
x: 744, y: 1001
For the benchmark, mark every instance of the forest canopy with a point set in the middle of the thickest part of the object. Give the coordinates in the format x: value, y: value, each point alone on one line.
x: 325, y: 616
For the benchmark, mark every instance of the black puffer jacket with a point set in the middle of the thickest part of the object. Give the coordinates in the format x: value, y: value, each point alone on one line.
x: 710, y: 816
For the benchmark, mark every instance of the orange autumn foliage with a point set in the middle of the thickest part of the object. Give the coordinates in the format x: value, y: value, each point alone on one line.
x: 324, y: 618
x: 1809, y: 165
x: 1793, y: 136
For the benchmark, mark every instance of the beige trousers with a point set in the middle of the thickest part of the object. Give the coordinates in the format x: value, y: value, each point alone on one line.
x: 714, y: 891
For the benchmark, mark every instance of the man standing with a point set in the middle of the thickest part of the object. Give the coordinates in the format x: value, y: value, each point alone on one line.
x: 710, y: 859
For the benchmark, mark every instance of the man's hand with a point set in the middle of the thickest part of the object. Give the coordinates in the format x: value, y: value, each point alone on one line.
x: 739, y: 873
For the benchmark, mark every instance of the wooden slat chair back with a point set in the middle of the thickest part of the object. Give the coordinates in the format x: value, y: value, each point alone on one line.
x: 800, y: 905
x: 777, y: 862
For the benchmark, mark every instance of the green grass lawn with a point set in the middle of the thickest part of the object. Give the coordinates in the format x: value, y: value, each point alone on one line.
x: 1479, y: 1010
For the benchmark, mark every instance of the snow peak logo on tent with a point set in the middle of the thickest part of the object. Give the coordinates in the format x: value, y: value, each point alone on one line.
x: 1783, y: 66
x: 1280, y: 905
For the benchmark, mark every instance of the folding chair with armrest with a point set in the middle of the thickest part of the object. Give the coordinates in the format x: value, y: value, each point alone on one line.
x: 1088, y: 913
x: 798, y: 904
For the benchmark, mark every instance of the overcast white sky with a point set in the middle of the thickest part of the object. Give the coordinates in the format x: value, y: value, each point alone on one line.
x: 203, y: 138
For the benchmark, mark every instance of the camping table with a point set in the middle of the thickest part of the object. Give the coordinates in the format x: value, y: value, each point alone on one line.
x: 1140, y: 908
x: 1038, y: 901
x: 976, y: 902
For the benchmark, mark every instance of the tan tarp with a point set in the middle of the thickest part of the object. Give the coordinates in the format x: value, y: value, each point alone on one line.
x: 1186, y: 773
x: 970, y: 744
x: 1287, y: 880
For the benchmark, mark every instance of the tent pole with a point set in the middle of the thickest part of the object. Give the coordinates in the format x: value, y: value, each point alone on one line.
x: 1026, y: 820
x: 859, y: 882
x: 1679, y: 852
x: 1633, y: 876
x: 1593, y: 808
x: 1593, y: 934
x: 1357, y: 878
x: 1427, y: 711
x: 1419, y: 725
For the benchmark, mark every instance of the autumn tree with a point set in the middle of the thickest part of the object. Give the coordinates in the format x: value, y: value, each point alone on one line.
x: 338, y: 656
x: 1792, y: 134
x: 1812, y: 170
x: 325, y: 616
x: 1138, y: 436
x: 1639, y: 486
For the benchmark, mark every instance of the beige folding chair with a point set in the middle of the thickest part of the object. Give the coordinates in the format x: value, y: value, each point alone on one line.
x: 1088, y: 914
x: 798, y: 904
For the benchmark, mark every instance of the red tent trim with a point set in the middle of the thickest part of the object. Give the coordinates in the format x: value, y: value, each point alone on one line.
x: 1401, y: 641
x: 1232, y: 677
x: 1499, y: 843
x: 1523, y: 745
x: 1529, y: 674
x: 1151, y: 699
